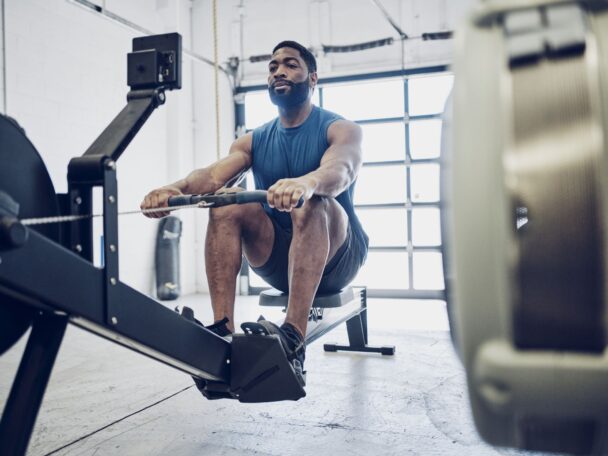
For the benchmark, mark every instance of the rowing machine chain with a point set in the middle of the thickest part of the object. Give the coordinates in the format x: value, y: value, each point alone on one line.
x: 74, y: 218
x: 236, y: 180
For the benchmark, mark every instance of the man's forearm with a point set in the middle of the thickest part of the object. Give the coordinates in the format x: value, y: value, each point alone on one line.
x: 198, y: 181
x: 332, y: 177
x: 213, y: 177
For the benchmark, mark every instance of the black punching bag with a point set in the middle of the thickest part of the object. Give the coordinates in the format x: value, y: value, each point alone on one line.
x: 167, y: 258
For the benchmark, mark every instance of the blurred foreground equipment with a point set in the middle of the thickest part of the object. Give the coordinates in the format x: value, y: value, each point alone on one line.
x: 526, y: 218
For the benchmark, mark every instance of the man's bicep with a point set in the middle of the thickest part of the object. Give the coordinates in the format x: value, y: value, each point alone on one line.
x: 344, y: 138
x: 344, y: 132
x: 237, y: 160
x: 241, y: 147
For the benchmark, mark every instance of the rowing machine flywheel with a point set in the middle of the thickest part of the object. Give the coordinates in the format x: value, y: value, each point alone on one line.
x: 24, y: 177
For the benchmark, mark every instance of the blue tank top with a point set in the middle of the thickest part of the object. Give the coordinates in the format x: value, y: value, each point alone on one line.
x: 280, y: 153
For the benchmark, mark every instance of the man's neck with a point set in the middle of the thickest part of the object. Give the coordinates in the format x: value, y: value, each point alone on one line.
x: 293, y: 117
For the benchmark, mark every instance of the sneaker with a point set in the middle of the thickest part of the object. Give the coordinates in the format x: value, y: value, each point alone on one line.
x: 291, y: 340
x: 221, y: 329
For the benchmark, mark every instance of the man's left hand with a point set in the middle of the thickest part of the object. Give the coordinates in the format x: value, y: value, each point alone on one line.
x: 285, y: 193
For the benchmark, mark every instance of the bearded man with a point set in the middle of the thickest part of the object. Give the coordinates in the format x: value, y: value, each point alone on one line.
x: 305, y: 153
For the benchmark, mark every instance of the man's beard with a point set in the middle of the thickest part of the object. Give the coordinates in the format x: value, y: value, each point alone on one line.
x: 296, y: 95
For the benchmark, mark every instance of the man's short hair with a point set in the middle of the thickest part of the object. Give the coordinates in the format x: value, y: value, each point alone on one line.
x: 306, y: 55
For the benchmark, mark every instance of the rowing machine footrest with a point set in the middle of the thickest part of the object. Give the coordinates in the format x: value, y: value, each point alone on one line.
x: 215, y: 390
x: 276, y: 298
x: 261, y: 372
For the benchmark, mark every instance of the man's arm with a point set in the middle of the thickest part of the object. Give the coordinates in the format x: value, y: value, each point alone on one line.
x: 339, y: 167
x: 204, y: 180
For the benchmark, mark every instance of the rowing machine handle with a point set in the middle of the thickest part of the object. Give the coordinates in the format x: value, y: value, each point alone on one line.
x: 257, y: 196
x: 224, y: 199
x: 183, y: 200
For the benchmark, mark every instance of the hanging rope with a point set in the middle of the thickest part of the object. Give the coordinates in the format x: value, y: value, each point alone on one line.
x: 216, y: 81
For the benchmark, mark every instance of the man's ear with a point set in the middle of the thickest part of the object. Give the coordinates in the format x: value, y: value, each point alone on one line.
x: 313, y: 80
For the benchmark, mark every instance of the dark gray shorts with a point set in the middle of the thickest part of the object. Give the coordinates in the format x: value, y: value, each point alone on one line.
x: 338, y: 272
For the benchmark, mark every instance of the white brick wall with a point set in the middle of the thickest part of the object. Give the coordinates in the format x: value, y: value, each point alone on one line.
x: 66, y: 80
x: 204, y: 106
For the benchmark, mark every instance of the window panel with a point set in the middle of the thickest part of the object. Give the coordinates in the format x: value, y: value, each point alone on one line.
x: 385, y: 227
x: 380, y: 185
x: 425, y: 138
x: 387, y: 184
x: 369, y: 100
x: 256, y: 281
x: 249, y: 182
x: 384, y: 270
x: 426, y: 228
x: 383, y: 142
x: 428, y: 271
x: 427, y: 94
x: 258, y: 109
x: 424, y: 183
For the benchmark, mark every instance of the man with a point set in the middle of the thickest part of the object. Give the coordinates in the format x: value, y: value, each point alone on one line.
x: 307, y: 153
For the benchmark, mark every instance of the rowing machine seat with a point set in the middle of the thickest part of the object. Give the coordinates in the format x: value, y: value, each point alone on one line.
x: 276, y: 298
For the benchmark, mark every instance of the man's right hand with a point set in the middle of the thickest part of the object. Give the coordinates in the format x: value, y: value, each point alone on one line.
x: 158, y: 198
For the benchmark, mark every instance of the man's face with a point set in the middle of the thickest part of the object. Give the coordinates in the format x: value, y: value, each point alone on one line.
x: 289, y: 82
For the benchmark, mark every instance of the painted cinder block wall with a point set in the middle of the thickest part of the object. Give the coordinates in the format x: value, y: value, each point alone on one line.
x: 66, y: 80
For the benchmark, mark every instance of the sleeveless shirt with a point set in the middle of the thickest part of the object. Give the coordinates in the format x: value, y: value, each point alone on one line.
x: 280, y: 153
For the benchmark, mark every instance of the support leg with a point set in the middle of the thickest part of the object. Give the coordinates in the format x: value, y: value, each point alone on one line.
x: 357, y: 334
x: 21, y: 410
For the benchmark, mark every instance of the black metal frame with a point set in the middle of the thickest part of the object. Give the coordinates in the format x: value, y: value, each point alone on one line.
x: 30, y: 383
x: 356, y: 327
x: 95, y: 299
x: 359, y: 77
x: 331, y: 310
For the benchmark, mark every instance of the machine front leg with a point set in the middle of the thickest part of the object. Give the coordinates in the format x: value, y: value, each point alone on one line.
x: 21, y: 410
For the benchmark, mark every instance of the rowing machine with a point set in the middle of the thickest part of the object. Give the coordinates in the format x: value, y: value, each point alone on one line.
x: 47, y: 278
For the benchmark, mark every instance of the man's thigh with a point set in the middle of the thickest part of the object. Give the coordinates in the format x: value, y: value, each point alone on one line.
x: 343, y: 260
x: 342, y: 269
x: 345, y: 255
x: 338, y: 227
x: 274, y: 269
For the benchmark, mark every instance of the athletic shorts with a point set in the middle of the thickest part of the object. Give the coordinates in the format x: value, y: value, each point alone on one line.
x: 338, y: 272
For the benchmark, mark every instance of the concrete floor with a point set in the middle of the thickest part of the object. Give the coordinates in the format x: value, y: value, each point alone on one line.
x: 106, y: 400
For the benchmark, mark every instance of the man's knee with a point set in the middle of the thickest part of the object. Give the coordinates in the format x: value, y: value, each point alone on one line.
x: 316, y: 208
x: 233, y: 214
x: 321, y: 209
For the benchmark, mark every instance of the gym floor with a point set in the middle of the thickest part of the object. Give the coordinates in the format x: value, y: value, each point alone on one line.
x: 104, y: 399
